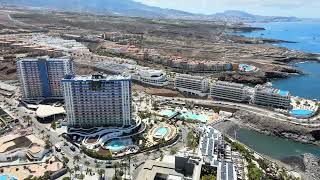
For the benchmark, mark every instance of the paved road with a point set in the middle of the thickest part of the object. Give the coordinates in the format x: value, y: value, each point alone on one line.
x: 42, y: 131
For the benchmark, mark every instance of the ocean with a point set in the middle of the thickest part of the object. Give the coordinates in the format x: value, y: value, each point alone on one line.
x: 307, y: 38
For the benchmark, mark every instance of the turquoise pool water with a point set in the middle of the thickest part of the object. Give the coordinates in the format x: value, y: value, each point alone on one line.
x: 167, y: 113
x: 198, y: 117
x: 6, y: 177
x: 246, y: 67
x: 116, y: 145
x: 186, y: 115
x: 283, y: 93
x: 161, y: 132
x: 301, y: 112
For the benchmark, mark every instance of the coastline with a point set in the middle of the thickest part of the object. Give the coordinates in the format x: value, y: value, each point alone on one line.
x: 304, y: 164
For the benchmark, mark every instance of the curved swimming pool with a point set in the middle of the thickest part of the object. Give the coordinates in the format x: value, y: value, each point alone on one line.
x: 161, y: 132
x: 115, y: 145
x: 302, y: 113
x: 6, y: 177
x: 246, y: 67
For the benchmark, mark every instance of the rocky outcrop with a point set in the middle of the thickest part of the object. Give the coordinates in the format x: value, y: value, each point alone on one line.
x: 275, y: 74
x: 312, y: 168
x: 246, y: 78
x: 278, y: 128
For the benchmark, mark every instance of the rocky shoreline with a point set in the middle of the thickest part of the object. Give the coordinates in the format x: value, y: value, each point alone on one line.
x: 307, y: 165
x: 278, y: 128
x: 311, y: 163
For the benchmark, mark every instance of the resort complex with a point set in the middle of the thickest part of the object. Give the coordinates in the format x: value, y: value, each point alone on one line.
x: 98, y: 100
x: 41, y: 78
x: 213, y: 157
x: 194, y: 85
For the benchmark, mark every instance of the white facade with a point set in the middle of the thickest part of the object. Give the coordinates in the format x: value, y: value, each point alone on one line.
x: 195, y: 85
x: 229, y: 91
x: 152, y: 77
x: 98, y: 100
x: 268, y: 96
x: 41, y: 78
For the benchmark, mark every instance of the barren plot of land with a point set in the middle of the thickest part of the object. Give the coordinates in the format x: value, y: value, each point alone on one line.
x: 191, y: 40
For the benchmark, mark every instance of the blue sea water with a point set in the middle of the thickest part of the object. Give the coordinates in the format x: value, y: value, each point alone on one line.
x: 307, y: 36
x: 273, y: 146
x: 307, y: 86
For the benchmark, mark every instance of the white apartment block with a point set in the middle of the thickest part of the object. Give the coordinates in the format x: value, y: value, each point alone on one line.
x: 268, y: 96
x: 229, y: 91
x: 195, y: 85
x: 41, y: 78
x: 98, y: 100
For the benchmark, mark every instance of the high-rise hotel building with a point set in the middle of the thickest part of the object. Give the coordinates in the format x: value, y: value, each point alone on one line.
x: 98, y: 100
x: 40, y: 78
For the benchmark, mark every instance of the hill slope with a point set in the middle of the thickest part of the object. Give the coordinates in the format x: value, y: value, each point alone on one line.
x: 132, y: 8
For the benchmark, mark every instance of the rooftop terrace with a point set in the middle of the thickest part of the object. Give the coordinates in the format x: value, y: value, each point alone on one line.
x: 271, y: 91
x: 98, y: 77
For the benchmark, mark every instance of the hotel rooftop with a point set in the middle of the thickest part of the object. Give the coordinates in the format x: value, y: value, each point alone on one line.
x: 99, y: 77
x: 272, y: 91
x: 230, y: 84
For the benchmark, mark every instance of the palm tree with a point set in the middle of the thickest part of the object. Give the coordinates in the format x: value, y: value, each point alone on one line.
x: 88, y: 171
x: 71, y: 171
x: 101, y: 172
x: 115, y: 166
x: 128, y: 158
x: 76, y: 168
x: 65, y: 160
x: 76, y: 158
x: 87, y: 163
x: 97, y: 165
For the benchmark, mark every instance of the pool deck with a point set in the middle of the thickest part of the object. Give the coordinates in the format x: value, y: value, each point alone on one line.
x: 186, y: 115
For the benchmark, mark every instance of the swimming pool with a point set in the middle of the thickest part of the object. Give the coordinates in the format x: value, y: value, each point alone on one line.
x: 6, y: 177
x: 161, y: 132
x: 301, y: 112
x: 167, y: 113
x: 283, y: 93
x: 116, y: 145
x: 246, y: 67
x: 196, y: 117
x: 186, y: 115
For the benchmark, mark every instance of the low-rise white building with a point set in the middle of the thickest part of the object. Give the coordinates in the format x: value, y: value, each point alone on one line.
x: 152, y: 77
x: 195, y: 85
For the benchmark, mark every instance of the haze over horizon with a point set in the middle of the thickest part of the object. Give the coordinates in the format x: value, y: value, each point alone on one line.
x: 297, y: 8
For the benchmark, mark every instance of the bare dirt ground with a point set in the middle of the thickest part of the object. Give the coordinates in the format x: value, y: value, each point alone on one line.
x: 156, y: 91
x: 194, y: 40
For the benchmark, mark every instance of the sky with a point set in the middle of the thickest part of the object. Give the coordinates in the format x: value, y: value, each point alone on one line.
x: 298, y: 8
